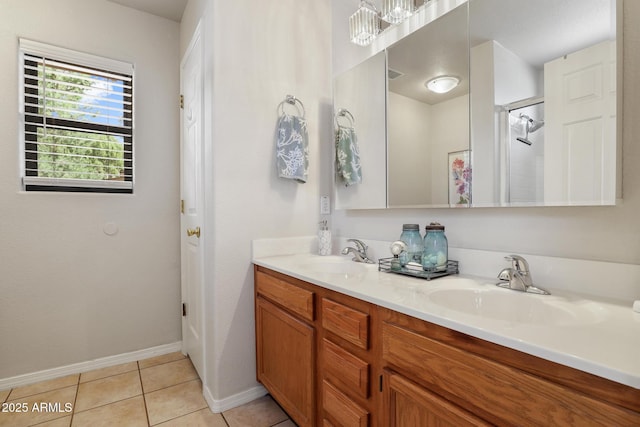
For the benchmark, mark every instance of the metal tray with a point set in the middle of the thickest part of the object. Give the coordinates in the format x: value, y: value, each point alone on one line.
x: 384, y: 264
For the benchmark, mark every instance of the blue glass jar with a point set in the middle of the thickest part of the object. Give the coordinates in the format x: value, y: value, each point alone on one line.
x: 412, y: 238
x: 436, y: 248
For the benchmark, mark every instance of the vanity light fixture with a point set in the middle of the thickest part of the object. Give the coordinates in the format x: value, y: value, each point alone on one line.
x: 364, y: 25
x: 396, y: 11
x: 442, y: 84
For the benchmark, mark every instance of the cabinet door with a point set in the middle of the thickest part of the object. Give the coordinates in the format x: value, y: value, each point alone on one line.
x: 409, y: 405
x: 285, y: 360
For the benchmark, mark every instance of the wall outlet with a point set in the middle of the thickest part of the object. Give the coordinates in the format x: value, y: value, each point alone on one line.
x: 325, y: 205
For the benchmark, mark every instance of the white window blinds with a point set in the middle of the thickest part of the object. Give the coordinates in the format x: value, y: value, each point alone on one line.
x: 78, y: 121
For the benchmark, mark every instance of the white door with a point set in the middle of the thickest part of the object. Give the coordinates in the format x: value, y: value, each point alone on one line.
x: 192, y: 204
x: 580, y: 118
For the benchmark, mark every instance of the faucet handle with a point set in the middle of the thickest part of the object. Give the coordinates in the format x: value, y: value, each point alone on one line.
x: 506, y: 275
x: 360, y: 245
x: 519, y: 263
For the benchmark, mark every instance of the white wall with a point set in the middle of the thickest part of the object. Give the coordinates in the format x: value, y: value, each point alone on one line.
x: 68, y: 292
x: 258, y: 52
x: 410, y: 143
x: 449, y: 133
x: 594, y: 233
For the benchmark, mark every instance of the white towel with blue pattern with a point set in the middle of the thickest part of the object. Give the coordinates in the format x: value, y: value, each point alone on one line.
x: 348, y: 166
x: 292, y: 148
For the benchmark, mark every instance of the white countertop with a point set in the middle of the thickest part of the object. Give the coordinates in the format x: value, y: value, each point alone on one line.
x: 592, y: 335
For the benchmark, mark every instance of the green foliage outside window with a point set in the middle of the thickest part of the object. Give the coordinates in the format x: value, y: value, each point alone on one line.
x: 71, y: 153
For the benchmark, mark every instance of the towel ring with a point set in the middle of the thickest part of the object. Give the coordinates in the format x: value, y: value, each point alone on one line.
x: 343, y: 112
x: 290, y: 99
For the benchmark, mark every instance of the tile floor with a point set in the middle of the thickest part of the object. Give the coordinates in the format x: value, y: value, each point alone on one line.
x: 161, y: 391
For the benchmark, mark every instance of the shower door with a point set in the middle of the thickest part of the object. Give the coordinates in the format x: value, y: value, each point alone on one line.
x: 526, y: 153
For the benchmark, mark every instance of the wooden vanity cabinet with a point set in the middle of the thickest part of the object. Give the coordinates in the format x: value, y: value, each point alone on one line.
x: 315, y: 352
x: 473, y: 382
x: 333, y: 360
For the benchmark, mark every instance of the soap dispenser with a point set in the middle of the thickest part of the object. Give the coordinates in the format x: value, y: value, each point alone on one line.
x: 324, y: 239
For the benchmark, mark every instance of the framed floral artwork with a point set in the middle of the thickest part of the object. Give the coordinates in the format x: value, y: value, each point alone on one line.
x: 459, y: 168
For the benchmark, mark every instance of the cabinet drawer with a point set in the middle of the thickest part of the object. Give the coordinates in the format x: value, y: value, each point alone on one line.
x: 343, y: 410
x: 511, y: 396
x: 346, y: 369
x: 291, y: 297
x: 346, y: 322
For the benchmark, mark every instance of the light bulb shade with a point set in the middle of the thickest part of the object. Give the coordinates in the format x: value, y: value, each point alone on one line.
x: 364, y: 25
x: 396, y: 11
x: 442, y: 84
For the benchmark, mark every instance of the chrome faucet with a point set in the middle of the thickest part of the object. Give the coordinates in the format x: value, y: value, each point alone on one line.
x: 359, y: 252
x: 518, y: 277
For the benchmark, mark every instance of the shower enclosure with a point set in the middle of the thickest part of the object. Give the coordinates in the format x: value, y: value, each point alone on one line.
x: 522, y: 136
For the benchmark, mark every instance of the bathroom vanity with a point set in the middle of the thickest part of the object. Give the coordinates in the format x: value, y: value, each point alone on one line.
x: 342, y: 344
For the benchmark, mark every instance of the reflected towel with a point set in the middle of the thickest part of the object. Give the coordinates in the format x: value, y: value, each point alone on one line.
x: 348, y: 165
x: 292, y: 148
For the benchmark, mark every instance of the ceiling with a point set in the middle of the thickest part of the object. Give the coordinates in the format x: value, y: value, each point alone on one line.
x: 170, y: 9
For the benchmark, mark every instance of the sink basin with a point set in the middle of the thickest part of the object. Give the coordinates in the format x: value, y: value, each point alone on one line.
x: 334, y: 265
x: 518, y: 307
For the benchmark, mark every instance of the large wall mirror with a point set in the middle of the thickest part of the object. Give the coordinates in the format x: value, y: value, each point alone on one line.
x: 359, y: 102
x: 543, y: 108
x: 425, y: 128
x: 531, y: 122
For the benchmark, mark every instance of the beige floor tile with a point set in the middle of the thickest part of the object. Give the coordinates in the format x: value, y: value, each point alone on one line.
x: 60, y: 422
x: 129, y: 412
x: 43, y: 386
x: 108, y: 390
x: 287, y: 423
x: 108, y: 371
x: 56, y: 403
x: 263, y: 412
x: 168, y: 374
x: 201, y: 418
x: 173, y: 402
x: 4, y: 394
x: 158, y: 360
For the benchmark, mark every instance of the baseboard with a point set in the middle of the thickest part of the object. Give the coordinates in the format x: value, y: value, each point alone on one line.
x: 231, y: 402
x: 76, y: 368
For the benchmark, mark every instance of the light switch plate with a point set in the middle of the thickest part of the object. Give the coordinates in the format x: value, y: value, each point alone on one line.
x: 325, y: 205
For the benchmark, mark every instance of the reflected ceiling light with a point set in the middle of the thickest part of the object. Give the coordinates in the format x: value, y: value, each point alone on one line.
x: 396, y: 11
x: 364, y: 25
x: 442, y: 84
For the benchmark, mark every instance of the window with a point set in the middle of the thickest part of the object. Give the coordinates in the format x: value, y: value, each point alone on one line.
x: 77, y: 112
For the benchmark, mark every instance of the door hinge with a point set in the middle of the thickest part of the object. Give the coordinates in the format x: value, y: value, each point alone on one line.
x: 181, y: 101
x: 184, y: 309
x: 182, y: 206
